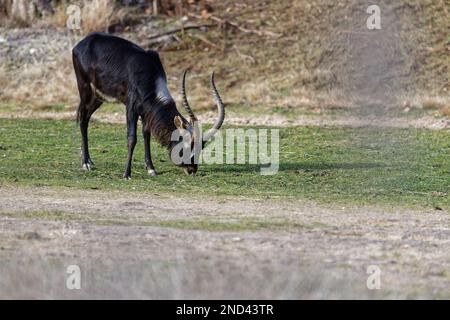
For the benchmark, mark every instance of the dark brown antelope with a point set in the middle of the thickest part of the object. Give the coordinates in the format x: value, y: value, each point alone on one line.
x: 109, y: 66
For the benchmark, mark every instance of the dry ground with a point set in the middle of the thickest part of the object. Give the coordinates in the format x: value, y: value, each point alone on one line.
x: 161, y: 246
x: 425, y: 121
x: 153, y: 245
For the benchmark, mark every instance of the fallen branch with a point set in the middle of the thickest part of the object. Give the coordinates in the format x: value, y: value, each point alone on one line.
x: 237, y: 26
x: 203, y: 39
x: 245, y: 56
x: 182, y: 29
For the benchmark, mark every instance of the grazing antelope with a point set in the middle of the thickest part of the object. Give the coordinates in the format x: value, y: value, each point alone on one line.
x: 109, y: 66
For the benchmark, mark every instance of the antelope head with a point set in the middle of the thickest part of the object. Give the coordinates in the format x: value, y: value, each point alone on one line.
x: 192, y: 134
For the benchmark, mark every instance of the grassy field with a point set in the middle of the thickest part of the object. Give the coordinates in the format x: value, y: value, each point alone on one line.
x: 326, y: 164
x: 357, y: 186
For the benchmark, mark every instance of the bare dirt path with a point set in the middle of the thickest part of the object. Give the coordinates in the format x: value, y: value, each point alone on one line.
x: 422, y: 122
x: 284, y: 249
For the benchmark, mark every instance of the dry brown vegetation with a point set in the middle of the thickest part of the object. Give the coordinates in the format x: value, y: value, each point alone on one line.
x: 445, y: 111
x: 267, y: 53
x: 98, y: 15
x: 40, y: 86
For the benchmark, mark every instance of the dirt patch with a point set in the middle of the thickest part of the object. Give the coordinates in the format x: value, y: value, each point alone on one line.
x: 20, y: 48
x: 372, y: 64
x: 118, y: 241
x: 425, y: 121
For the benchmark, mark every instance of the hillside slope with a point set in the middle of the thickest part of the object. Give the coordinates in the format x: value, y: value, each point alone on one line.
x: 267, y: 53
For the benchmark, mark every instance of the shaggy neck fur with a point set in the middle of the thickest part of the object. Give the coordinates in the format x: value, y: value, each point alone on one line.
x: 158, y: 120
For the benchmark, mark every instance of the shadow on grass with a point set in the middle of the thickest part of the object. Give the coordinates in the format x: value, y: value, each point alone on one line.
x: 287, y: 167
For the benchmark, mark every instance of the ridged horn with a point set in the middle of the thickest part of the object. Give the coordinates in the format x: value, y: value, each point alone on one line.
x: 221, y: 109
x: 184, y: 98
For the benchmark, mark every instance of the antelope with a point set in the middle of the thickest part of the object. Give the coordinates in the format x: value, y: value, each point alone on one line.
x: 109, y: 66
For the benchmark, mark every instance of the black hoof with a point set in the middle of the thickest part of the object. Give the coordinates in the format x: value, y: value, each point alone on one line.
x: 127, y: 176
x: 87, y: 166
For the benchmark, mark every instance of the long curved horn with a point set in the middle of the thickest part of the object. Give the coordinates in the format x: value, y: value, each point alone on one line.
x: 221, y: 109
x: 184, y: 99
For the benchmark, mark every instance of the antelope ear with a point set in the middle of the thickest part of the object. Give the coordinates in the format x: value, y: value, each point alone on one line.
x: 179, y: 122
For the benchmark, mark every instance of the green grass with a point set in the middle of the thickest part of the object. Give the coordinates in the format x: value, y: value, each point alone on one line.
x: 328, y: 164
x: 205, y: 224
